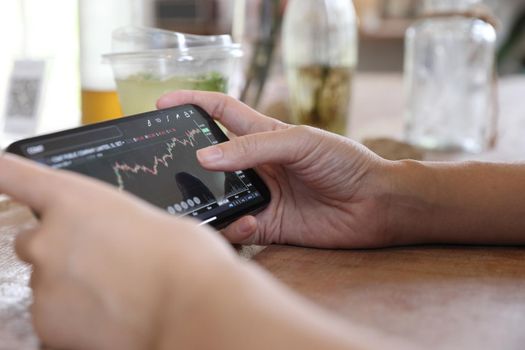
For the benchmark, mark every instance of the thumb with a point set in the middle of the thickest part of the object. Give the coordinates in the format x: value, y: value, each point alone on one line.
x: 243, y: 231
x: 284, y: 147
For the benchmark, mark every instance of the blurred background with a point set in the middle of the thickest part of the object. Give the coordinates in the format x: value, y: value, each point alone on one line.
x: 69, y: 36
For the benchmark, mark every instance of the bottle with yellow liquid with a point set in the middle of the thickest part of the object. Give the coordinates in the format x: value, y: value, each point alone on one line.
x: 320, y: 57
x: 98, y: 19
x: 98, y: 105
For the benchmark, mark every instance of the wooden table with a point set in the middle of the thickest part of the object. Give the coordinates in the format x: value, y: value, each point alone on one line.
x: 438, y: 297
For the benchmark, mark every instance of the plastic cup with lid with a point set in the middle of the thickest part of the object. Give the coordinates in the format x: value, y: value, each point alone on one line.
x: 149, y: 62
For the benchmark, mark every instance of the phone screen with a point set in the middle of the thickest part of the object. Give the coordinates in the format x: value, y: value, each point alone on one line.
x: 153, y: 155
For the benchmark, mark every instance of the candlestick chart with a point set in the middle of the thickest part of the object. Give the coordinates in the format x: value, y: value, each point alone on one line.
x: 170, y: 160
x: 157, y: 161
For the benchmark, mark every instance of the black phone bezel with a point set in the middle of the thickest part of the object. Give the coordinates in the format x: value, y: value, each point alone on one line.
x: 228, y: 216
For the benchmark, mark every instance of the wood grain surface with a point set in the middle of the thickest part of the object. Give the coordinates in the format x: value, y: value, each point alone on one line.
x: 438, y: 297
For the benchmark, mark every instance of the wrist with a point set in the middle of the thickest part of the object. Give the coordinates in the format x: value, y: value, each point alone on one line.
x: 410, y: 208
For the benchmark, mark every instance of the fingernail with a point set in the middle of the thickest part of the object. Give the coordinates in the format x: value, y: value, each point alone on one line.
x: 210, y: 154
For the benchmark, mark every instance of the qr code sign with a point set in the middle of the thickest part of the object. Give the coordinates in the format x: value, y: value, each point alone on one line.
x: 23, y: 97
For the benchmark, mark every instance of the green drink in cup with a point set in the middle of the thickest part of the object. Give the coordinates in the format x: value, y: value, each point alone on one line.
x: 148, y: 63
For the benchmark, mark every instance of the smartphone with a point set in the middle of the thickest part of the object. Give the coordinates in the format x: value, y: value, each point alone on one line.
x: 153, y: 155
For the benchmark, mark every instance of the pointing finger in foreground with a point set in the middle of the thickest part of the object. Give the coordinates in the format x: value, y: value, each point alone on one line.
x: 27, y: 181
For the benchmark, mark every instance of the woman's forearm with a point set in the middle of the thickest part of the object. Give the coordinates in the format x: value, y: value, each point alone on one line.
x: 471, y: 203
x: 246, y: 308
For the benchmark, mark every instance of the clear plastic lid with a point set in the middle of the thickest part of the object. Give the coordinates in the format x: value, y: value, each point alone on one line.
x: 449, y: 5
x: 143, y: 42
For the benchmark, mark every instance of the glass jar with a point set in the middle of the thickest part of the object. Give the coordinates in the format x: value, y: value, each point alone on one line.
x: 320, y: 56
x: 450, y: 78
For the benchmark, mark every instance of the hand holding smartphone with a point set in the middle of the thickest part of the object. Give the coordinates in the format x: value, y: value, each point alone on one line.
x: 153, y: 155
